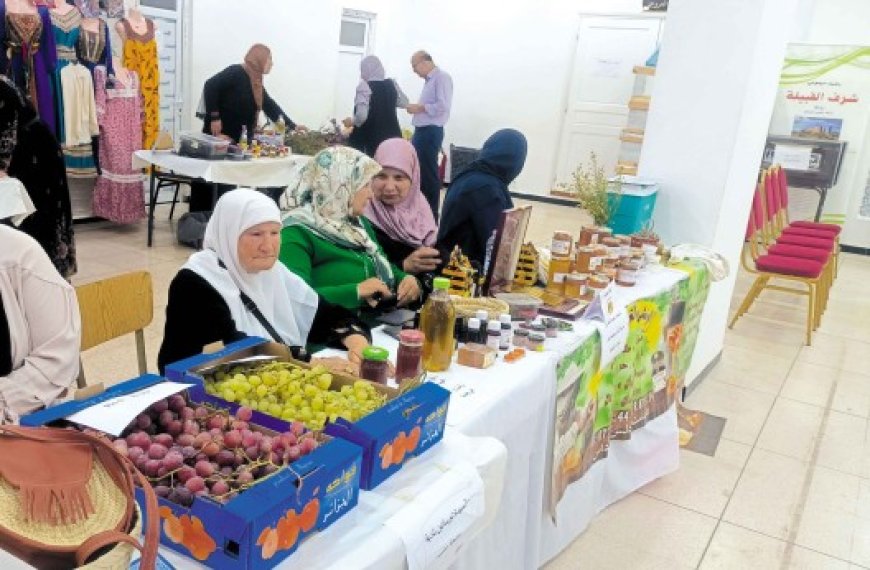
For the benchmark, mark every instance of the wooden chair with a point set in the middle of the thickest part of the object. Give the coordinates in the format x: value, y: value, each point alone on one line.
x: 113, y: 307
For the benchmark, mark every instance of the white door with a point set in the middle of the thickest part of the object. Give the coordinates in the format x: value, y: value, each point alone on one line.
x: 608, y: 47
x: 167, y: 15
x: 355, y: 40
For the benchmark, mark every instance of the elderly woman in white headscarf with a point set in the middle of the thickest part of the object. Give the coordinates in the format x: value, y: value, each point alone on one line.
x: 374, y: 107
x: 233, y: 288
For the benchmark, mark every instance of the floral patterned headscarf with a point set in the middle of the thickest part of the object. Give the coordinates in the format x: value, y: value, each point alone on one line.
x: 322, y: 196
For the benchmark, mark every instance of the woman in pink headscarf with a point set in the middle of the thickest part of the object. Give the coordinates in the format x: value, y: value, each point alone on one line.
x: 399, y: 212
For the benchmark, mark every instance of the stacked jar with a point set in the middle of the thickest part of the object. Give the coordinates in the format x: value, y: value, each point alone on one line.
x: 560, y: 262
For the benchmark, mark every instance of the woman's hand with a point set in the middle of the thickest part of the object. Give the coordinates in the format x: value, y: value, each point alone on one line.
x: 217, y: 127
x: 422, y: 260
x: 368, y: 289
x: 409, y: 290
x: 337, y: 364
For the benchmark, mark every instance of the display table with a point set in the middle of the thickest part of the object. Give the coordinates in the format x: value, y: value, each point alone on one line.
x: 541, y: 513
x: 257, y: 173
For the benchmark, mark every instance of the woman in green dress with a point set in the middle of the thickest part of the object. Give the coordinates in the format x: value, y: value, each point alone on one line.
x: 327, y: 242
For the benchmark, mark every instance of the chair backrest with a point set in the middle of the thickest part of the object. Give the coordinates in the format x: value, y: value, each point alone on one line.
x: 783, y: 193
x: 116, y: 306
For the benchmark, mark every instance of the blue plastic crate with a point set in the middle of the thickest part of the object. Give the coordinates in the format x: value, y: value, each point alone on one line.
x: 635, y: 205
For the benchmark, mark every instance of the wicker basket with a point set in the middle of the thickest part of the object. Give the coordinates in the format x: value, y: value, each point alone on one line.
x: 110, y: 503
x: 466, y: 307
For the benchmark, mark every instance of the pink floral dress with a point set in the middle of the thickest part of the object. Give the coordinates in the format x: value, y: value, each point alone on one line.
x: 118, y: 194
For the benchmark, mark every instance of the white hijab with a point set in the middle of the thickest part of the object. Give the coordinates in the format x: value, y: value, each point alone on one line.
x: 287, y: 302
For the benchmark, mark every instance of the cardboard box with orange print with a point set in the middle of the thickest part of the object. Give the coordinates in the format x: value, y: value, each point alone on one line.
x: 266, y: 522
x: 407, y: 425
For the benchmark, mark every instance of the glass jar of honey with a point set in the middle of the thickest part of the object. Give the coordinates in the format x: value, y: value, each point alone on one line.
x: 575, y: 285
x: 598, y: 282
x: 559, y: 268
x: 627, y: 274
x: 561, y: 244
x: 583, y: 259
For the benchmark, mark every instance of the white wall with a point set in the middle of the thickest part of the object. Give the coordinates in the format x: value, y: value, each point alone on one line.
x: 510, y: 66
x: 839, y: 22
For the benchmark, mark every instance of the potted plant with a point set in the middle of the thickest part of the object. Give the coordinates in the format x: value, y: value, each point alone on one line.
x: 589, y: 185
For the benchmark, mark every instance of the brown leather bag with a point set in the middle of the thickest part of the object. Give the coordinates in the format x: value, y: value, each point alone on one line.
x: 67, y: 499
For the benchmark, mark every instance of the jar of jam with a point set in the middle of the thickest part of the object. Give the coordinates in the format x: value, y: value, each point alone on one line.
x: 521, y: 338
x: 627, y: 274
x: 575, y: 285
x: 561, y: 244
x: 409, y: 361
x: 536, y: 341
x: 374, y: 365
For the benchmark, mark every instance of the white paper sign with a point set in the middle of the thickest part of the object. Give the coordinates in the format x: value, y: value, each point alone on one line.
x: 792, y: 157
x: 606, y: 67
x: 434, y: 526
x: 611, y: 320
x: 112, y: 416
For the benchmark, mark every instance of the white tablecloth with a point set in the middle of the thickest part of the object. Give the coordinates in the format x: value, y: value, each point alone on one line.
x: 257, y: 173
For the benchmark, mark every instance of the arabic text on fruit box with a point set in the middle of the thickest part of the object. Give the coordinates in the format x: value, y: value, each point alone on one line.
x: 113, y: 415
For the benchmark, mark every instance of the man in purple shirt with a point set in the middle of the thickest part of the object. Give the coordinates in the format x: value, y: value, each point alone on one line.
x: 430, y: 114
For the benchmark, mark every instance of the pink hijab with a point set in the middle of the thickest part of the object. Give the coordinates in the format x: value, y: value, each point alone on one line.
x: 410, y: 221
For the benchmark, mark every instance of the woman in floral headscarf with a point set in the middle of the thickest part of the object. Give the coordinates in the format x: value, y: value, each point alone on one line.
x: 327, y: 242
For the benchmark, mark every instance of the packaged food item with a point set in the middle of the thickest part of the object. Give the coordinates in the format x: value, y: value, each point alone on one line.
x: 476, y: 355
x: 521, y: 337
x: 483, y: 317
x: 375, y: 364
x: 536, y: 341
x: 613, y: 245
x: 561, y: 244
x: 583, y: 258
x: 592, y: 235
x: 472, y: 330
x: 598, y: 282
x: 514, y: 355
x: 538, y: 327
x: 507, y: 330
x: 437, y: 321
x: 559, y: 268
x: 626, y: 276
x: 201, y: 145
x: 550, y: 328
x: 409, y: 361
x: 522, y: 307
x: 575, y: 285
x: 493, y: 335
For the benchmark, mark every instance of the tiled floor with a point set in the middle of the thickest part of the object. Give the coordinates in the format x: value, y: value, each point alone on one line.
x: 789, y: 486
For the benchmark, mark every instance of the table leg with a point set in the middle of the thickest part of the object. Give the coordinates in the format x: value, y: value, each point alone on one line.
x: 152, y: 193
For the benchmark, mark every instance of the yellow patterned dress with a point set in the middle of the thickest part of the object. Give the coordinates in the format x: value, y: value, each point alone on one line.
x: 140, y: 55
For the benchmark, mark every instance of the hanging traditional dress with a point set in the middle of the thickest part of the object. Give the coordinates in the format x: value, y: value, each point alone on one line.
x: 140, y: 55
x: 66, y: 28
x: 118, y: 195
x: 95, y: 48
x: 29, y: 58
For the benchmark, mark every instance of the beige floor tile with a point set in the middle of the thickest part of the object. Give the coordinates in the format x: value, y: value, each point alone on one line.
x: 703, y: 483
x: 736, y: 548
x: 792, y: 429
x: 750, y: 368
x: 763, y: 335
x: 624, y: 536
x: 844, y: 444
x: 745, y: 409
x: 768, y: 496
x: 837, y: 352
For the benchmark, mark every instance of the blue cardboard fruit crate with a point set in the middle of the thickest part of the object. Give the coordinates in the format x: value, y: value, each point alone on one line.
x: 634, y: 204
x: 265, y: 523
x: 409, y: 424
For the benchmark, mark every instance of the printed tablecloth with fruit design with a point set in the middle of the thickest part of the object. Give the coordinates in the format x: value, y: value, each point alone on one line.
x: 595, y: 406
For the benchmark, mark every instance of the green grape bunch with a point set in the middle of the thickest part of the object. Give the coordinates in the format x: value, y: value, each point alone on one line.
x: 293, y: 393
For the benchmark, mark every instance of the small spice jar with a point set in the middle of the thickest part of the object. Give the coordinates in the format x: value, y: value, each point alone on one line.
x: 536, y: 341
x: 374, y: 365
x: 521, y: 338
x: 551, y: 328
x: 575, y: 285
x: 409, y: 361
x: 561, y: 244
x: 627, y: 274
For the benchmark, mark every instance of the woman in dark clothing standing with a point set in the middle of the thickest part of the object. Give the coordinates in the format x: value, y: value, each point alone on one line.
x: 478, y: 196
x: 233, y: 288
x: 374, y: 107
x: 235, y: 96
x: 233, y: 99
x: 30, y: 153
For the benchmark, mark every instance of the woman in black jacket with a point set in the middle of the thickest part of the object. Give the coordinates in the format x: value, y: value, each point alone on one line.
x: 374, y: 107
x: 235, y: 96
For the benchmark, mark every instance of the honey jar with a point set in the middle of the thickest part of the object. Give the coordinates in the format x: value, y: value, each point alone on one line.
x: 575, y: 285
